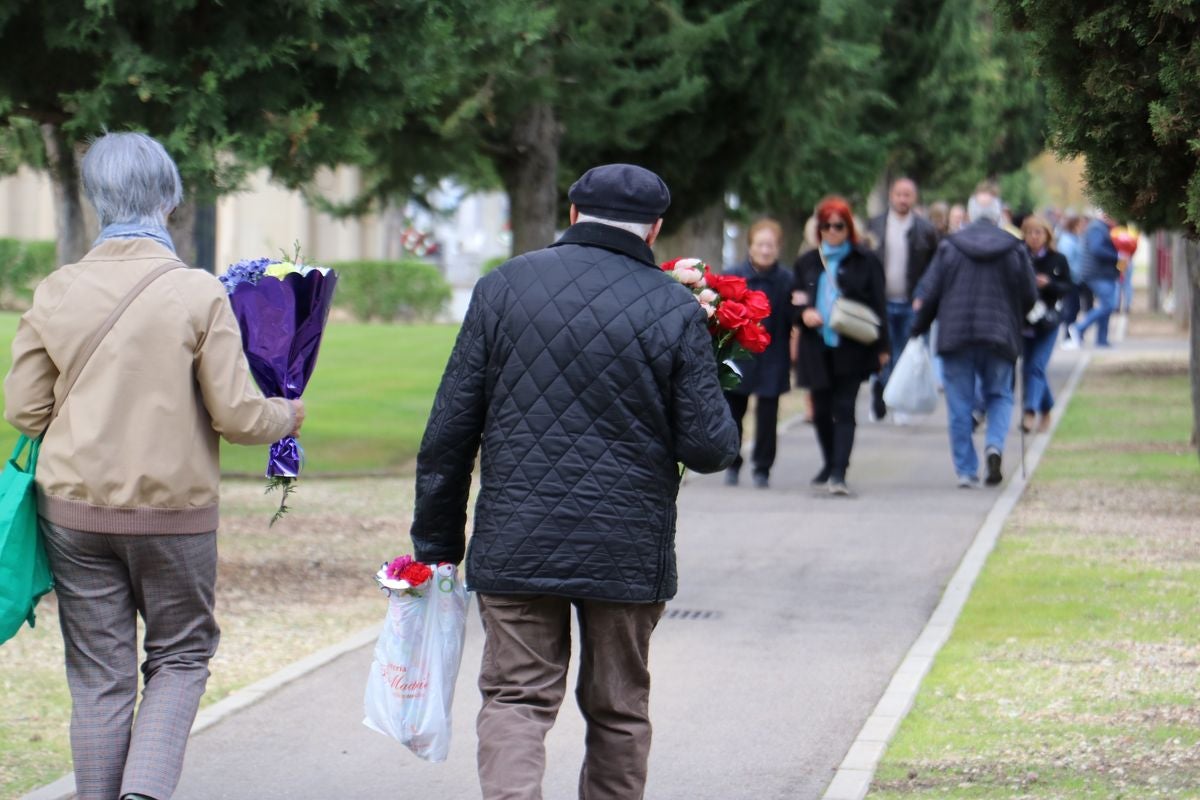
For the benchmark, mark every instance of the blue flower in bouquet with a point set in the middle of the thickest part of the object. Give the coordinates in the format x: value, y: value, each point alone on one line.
x: 249, y: 271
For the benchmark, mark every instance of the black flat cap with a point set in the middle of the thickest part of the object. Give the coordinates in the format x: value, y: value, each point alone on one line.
x: 621, y: 192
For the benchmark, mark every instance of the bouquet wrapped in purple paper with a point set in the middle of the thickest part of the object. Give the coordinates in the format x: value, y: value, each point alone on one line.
x: 281, y: 307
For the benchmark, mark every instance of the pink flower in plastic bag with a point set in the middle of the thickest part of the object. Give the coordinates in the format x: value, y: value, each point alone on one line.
x: 398, y: 566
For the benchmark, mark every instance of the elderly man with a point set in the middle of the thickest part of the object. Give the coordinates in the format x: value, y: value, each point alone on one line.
x: 586, y: 375
x: 128, y: 478
x: 979, y: 287
x: 905, y: 243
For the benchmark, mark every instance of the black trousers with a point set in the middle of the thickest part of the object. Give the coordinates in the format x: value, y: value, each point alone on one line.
x: 766, y: 420
x: 833, y: 420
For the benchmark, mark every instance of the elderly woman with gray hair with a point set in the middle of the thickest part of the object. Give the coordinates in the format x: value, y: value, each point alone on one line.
x: 131, y: 368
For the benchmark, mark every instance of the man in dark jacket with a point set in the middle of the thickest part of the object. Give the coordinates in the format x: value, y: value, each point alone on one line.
x: 586, y: 375
x: 905, y: 243
x: 979, y: 287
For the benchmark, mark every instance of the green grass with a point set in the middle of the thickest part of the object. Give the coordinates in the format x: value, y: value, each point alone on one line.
x: 367, y: 402
x: 1072, y: 672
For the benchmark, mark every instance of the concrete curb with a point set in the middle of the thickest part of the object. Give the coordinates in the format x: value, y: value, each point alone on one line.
x: 64, y: 787
x: 853, y: 778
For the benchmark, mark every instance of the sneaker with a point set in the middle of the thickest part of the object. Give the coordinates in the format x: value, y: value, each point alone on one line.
x: 878, y: 407
x: 993, y: 467
x: 838, y: 487
x: 761, y: 480
x: 731, y: 477
x: 968, y: 482
x: 821, y: 478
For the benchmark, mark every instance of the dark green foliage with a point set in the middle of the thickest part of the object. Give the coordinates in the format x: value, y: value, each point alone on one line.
x: 22, y: 265
x: 1123, y: 83
x: 391, y: 290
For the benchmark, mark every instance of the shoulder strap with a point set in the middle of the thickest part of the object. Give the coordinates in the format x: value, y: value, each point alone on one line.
x: 105, y: 327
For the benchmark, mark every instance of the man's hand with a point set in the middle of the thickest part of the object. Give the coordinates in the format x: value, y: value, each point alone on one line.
x: 917, y: 303
x: 298, y: 408
x: 1042, y: 280
x: 812, y: 318
x: 884, y: 358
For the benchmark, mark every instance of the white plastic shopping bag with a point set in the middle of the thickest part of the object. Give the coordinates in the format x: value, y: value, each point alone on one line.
x: 911, y: 389
x: 411, y: 685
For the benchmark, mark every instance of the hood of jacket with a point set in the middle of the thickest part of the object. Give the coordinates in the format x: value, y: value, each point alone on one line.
x: 983, y: 241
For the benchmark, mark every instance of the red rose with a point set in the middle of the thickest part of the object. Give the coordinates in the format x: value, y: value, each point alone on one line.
x: 753, y: 337
x: 758, y: 305
x: 416, y: 574
x: 730, y: 287
x: 732, y: 315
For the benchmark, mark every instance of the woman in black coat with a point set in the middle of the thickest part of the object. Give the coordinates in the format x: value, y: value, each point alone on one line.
x: 765, y: 375
x: 831, y: 366
x: 1053, y: 275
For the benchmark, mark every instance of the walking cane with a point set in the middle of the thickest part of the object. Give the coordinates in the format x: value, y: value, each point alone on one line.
x: 1020, y: 384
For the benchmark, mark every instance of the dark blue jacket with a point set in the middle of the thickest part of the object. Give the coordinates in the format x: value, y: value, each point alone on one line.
x: 979, y: 286
x: 583, y: 374
x: 1099, y: 255
x: 768, y: 374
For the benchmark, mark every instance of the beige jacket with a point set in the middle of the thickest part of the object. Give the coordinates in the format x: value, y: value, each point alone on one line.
x: 134, y: 449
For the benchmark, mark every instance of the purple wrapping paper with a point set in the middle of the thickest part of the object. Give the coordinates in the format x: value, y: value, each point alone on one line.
x: 282, y: 322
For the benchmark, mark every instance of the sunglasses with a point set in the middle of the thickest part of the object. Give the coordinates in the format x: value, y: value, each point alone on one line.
x: 833, y: 226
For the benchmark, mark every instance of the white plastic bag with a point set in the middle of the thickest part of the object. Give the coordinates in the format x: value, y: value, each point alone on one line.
x: 411, y: 685
x: 911, y: 388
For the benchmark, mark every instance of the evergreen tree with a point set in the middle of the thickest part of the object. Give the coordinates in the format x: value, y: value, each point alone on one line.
x: 1123, y: 84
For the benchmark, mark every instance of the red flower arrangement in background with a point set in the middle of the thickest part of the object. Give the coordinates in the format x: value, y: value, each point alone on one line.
x: 735, y: 314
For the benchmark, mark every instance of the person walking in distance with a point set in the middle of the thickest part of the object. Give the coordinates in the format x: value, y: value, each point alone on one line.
x: 1053, y: 277
x: 764, y: 376
x: 905, y: 243
x: 830, y: 365
x: 583, y: 375
x: 979, y: 287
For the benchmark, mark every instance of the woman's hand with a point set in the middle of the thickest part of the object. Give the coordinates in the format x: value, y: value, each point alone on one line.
x: 1042, y: 280
x: 298, y: 408
x: 812, y: 318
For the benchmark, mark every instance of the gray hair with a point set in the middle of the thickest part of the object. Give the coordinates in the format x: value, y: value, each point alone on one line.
x: 129, y: 178
x: 638, y: 229
x: 985, y: 206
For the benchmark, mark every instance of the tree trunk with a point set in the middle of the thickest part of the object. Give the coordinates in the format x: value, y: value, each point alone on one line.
x: 70, y: 223
x: 182, y: 227
x: 1192, y: 248
x: 530, y: 175
x: 702, y: 237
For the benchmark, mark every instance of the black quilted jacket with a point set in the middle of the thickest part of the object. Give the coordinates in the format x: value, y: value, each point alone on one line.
x: 584, y: 373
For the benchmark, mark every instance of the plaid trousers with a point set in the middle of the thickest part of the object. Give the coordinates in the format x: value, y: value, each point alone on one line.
x: 103, y: 583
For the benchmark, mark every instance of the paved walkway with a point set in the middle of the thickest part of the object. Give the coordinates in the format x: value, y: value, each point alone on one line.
x: 814, y: 602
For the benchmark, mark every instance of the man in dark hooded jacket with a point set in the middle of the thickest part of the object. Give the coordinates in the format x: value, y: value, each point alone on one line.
x: 584, y: 374
x: 979, y: 287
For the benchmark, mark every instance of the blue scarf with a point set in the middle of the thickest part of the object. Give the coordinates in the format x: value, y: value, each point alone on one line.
x: 827, y: 288
x: 135, y: 230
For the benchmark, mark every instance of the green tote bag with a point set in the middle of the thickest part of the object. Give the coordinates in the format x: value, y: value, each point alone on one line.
x: 24, y: 571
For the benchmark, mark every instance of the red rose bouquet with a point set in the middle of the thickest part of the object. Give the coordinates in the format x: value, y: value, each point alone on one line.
x: 403, y: 574
x: 735, y: 314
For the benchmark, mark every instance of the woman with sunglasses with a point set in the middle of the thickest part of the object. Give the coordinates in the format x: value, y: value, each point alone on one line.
x: 831, y: 366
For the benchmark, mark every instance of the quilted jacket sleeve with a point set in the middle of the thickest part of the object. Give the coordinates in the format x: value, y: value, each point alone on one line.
x: 450, y: 444
x: 706, y: 438
x: 929, y: 291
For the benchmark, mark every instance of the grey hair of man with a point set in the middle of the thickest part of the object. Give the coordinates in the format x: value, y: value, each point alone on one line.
x: 638, y: 229
x: 985, y: 205
x: 130, y: 179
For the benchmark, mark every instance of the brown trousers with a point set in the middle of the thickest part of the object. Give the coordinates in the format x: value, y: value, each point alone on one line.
x: 526, y: 650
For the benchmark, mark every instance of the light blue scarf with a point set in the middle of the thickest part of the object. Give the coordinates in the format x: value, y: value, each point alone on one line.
x: 827, y: 288
x: 135, y: 230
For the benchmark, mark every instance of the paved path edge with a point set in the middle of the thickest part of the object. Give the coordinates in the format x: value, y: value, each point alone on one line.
x: 64, y: 787
x: 853, y: 778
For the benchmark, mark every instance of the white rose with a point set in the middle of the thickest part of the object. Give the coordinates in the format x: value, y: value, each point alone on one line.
x: 709, y: 309
x: 688, y: 276
x: 684, y: 263
x: 707, y: 297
